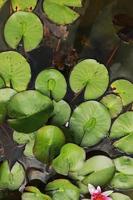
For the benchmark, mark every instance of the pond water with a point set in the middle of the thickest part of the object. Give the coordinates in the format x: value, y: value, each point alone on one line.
x: 104, y: 32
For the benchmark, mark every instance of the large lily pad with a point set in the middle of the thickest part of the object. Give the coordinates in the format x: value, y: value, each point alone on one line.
x: 29, y: 110
x: 24, y: 26
x: 90, y: 122
x: 92, y: 76
x: 27, y: 139
x: 5, y: 95
x: 125, y: 90
x: 51, y: 83
x: 122, y: 181
x: 113, y: 103
x: 32, y: 193
x: 119, y: 196
x: 62, y: 189
x: 124, y: 164
x: 48, y: 142
x: 122, y: 130
x: 61, y: 113
x: 15, y: 70
x: 70, y: 160
x: 97, y: 170
x: 13, y: 179
x: 25, y: 5
x: 60, y: 12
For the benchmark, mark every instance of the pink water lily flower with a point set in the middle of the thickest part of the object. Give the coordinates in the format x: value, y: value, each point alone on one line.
x: 97, y: 194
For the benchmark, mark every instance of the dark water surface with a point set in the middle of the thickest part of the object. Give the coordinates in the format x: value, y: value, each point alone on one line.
x: 104, y: 32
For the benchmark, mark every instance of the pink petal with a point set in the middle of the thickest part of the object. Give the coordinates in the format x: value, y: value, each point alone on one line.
x: 107, y: 193
x: 91, y: 189
x: 99, y: 189
x: 108, y: 198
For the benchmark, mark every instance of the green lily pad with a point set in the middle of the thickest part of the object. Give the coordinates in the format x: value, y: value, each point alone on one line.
x: 32, y: 193
x: 124, y: 89
x: 25, y: 5
x: 97, y: 170
x: 70, y: 160
x: 2, y: 2
x: 122, y: 130
x: 48, y: 142
x: 13, y: 179
x: 119, y: 196
x: 26, y: 26
x: 92, y: 76
x: 51, y: 83
x: 90, y: 123
x: 62, y: 189
x: 5, y: 95
x: 28, y: 111
x: 2, y: 83
x: 124, y: 164
x: 15, y: 70
x: 60, y: 12
x: 61, y: 113
x: 27, y: 139
x: 122, y: 181
x: 113, y: 103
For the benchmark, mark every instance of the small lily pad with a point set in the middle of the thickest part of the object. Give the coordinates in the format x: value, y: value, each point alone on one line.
x: 97, y: 170
x: 15, y: 70
x: 122, y: 130
x: 70, y: 160
x: 27, y: 139
x: 32, y: 193
x: 113, y: 103
x: 28, y: 111
x: 13, y: 179
x: 5, y: 95
x: 24, y: 5
x: 24, y: 26
x: 48, y: 142
x: 61, y: 113
x: 90, y: 123
x: 60, y: 12
x: 124, y: 164
x: 51, y: 83
x: 91, y: 76
x: 62, y: 189
x: 122, y: 181
x: 124, y: 89
x: 119, y: 196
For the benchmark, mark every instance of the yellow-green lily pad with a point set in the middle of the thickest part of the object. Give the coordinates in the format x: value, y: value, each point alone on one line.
x: 24, y: 5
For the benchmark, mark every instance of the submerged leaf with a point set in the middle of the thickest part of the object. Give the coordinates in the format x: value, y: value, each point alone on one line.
x: 113, y: 103
x: 29, y: 110
x: 51, y: 83
x: 13, y: 179
x: 124, y: 89
x: 48, y: 142
x: 15, y: 70
x: 90, y: 123
x: 62, y: 189
x: 24, y: 26
x: 59, y: 11
x: 92, y: 76
x: 24, y: 5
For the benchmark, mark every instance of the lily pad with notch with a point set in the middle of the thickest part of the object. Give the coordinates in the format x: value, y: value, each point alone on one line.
x: 91, y: 76
x: 70, y: 160
x: 62, y: 189
x: 122, y: 131
x: 60, y: 12
x: 124, y: 89
x: 51, y: 83
x: 92, y: 171
x: 48, y: 142
x: 25, y: 5
x: 24, y: 26
x: 15, y: 70
x: 61, y: 113
x: 11, y: 179
x: 113, y: 104
x: 28, y: 111
x: 90, y: 123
